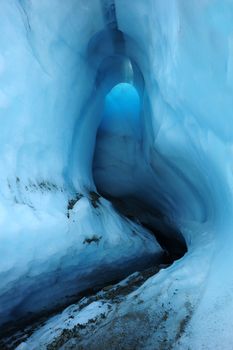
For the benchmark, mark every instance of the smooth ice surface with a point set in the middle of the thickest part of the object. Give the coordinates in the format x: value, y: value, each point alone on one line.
x: 53, y: 257
x: 121, y: 114
x: 118, y: 155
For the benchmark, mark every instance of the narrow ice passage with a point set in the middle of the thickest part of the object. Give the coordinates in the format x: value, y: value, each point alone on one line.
x: 119, y: 170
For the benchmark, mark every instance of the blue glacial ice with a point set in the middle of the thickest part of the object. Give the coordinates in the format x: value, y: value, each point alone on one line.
x: 167, y: 158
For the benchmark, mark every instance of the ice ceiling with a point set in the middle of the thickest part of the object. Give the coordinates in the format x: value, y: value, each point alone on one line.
x: 69, y: 180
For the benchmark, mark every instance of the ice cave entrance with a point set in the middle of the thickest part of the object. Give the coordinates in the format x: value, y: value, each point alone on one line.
x: 121, y: 115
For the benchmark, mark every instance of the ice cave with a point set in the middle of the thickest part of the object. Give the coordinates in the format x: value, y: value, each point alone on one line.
x: 116, y: 182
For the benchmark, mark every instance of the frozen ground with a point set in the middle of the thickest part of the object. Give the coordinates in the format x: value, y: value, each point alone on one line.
x: 79, y: 320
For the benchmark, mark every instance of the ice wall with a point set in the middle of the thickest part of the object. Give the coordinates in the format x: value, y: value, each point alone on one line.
x: 189, y: 50
x: 57, y: 236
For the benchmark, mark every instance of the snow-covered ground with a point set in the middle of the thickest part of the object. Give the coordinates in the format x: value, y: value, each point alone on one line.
x: 80, y: 319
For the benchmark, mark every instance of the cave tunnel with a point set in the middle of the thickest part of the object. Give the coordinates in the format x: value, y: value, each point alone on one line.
x: 120, y: 171
x: 116, y: 152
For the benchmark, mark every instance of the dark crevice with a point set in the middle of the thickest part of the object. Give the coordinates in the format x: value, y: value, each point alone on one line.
x: 169, y: 238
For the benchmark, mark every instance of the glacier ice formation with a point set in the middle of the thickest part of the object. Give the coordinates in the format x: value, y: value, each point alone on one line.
x: 58, y: 236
